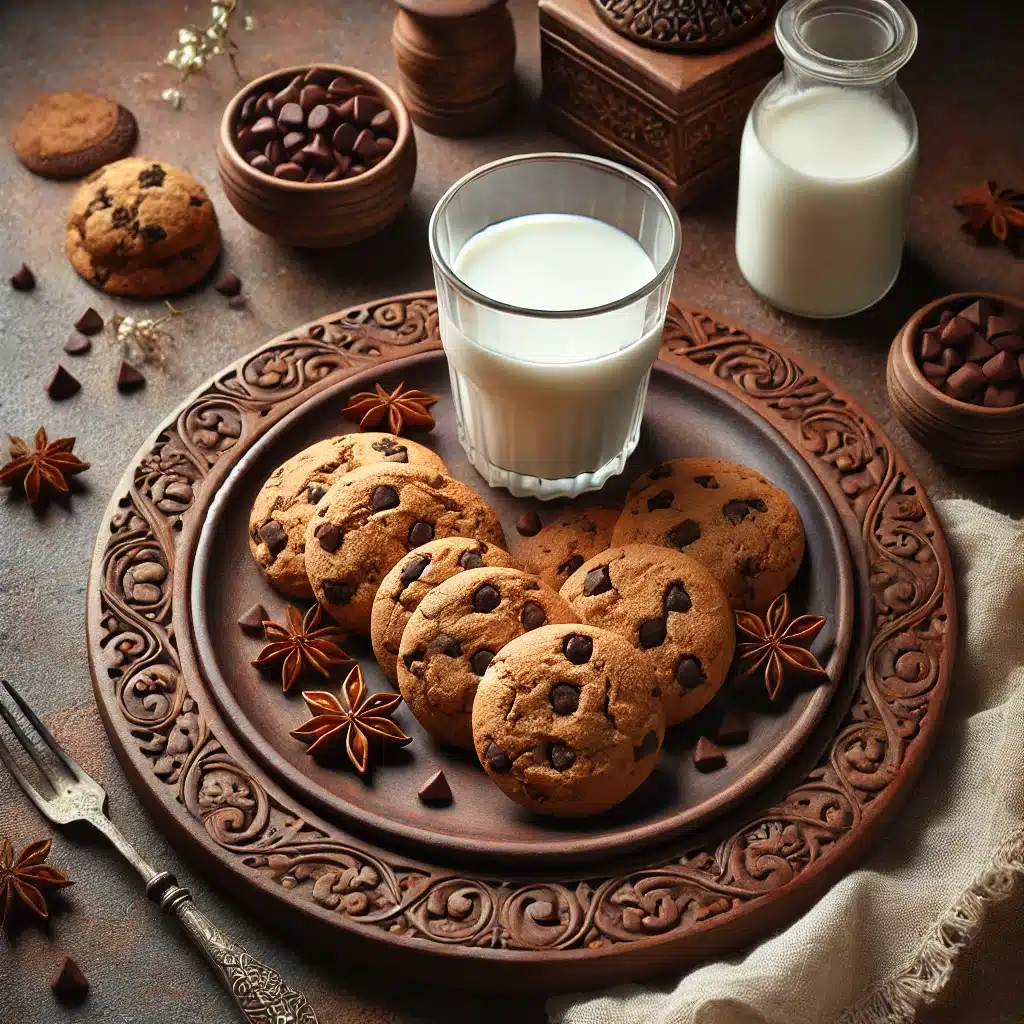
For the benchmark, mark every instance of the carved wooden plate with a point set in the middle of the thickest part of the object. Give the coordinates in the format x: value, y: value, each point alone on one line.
x: 694, y: 866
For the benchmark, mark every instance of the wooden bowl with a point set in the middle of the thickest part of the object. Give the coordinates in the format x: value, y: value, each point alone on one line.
x: 956, y: 432
x: 325, y: 214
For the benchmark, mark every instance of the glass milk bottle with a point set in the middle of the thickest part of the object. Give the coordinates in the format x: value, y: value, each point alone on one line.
x: 827, y: 160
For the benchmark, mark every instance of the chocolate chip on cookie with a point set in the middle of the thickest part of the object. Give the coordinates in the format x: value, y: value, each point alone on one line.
x: 415, y: 576
x: 378, y: 508
x: 555, y: 552
x: 745, y: 530
x: 286, y: 502
x: 476, y: 612
x: 667, y: 605
x: 566, y: 736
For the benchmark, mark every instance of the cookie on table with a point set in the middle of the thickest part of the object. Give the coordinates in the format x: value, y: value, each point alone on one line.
x: 415, y: 576
x: 567, y: 720
x: 70, y: 134
x: 668, y: 605
x: 728, y: 517
x: 375, y: 515
x: 142, y: 227
x: 288, y: 499
x: 454, y: 634
x: 562, y: 546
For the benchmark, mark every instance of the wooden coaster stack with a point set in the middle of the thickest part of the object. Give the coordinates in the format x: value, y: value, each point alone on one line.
x: 456, y: 60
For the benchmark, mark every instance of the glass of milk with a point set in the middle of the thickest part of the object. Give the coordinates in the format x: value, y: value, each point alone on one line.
x: 827, y: 159
x: 553, y: 275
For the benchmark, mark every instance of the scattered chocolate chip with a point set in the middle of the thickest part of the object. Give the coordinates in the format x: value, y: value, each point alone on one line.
x: 708, y: 482
x: 532, y: 616
x: 436, y: 790
x: 648, y: 745
x: 77, y: 345
x: 383, y: 497
x: 732, y: 731
x: 562, y: 757
x: 486, y: 598
x: 62, y: 385
x: 965, y: 383
x: 663, y: 499
x: 329, y: 537
x: 689, y: 674
x: 652, y: 633
x: 420, y: 532
x: 597, y: 581
x: 707, y: 757
x: 129, y: 379
x: 471, y: 560
x: 528, y: 524
x: 90, y: 322
x: 70, y: 986
x: 251, y: 623
x: 228, y: 284
x: 684, y: 534
x: 237, y: 302
x: 23, y: 280
x: 314, y: 493
x: 578, y: 649
x: 445, y: 643
x: 677, y: 599
x: 414, y: 569
x: 479, y: 662
x: 565, y: 698
x: 568, y: 567
x: 337, y: 592
x: 496, y: 758
x: 273, y: 534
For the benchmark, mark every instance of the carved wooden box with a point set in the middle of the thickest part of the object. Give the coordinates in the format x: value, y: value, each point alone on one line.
x: 677, y: 118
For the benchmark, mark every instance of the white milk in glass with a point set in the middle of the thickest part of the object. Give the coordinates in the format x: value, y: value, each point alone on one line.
x: 825, y: 179
x: 529, y: 387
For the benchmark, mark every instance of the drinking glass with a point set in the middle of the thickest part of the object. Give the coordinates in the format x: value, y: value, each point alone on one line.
x: 549, y: 401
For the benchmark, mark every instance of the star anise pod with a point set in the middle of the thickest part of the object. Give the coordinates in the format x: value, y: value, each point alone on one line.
x: 991, y: 212
x: 412, y: 408
x: 48, y: 465
x: 778, y: 645
x: 25, y: 878
x: 300, y: 644
x: 355, y: 717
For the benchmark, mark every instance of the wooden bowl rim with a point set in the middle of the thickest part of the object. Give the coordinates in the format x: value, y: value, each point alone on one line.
x: 311, y: 188
x: 905, y: 340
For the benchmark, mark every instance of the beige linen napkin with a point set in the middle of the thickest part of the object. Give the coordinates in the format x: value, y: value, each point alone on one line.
x: 883, y: 942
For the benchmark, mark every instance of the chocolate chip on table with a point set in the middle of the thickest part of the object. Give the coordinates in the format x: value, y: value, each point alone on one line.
x: 677, y: 599
x: 707, y: 756
x: 273, y: 534
x: 339, y: 592
x: 732, y: 730
x: 496, y: 758
x: 578, y: 648
x: 532, y: 616
x: 471, y: 560
x: 486, y: 598
x: 129, y: 379
x: 23, y: 280
x: 663, y: 499
x: 62, y: 385
x: 597, y: 581
x: 528, y: 524
x: 568, y: 567
x: 329, y: 537
x: 70, y: 986
x: 684, y: 534
x: 435, y: 790
x: 564, y: 698
x: 237, y: 302
x: 562, y: 757
x: 228, y: 284
x: 384, y: 496
x: 648, y: 745
x: 251, y: 622
x: 479, y: 662
x: 652, y: 633
x: 965, y: 383
x: 90, y: 322
x: 689, y: 674
x: 77, y: 345
x: 420, y: 532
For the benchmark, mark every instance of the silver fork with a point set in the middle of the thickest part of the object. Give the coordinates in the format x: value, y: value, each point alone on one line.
x: 258, y: 991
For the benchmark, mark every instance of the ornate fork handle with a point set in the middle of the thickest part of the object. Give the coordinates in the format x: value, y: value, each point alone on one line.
x: 258, y: 990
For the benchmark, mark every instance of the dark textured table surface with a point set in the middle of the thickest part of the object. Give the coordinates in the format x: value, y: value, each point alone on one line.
x: 968, y: 101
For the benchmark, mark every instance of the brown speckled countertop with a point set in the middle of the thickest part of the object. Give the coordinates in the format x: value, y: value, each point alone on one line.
x: 967, y: 85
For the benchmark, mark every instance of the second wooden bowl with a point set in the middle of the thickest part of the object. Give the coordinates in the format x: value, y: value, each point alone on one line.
x: 324, y: 214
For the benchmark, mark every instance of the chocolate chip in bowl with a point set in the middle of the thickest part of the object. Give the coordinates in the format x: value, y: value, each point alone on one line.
x: 956, y: 379
x: 317, y: 157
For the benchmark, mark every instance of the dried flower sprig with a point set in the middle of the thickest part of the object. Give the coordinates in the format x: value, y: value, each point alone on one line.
x: 197, y: 44
x: 144, y: 340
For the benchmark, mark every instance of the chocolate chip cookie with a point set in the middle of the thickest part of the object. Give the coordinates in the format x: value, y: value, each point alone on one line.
x: 287, y: 501
x: 562, y: 546
x: 415, y: 576
x: 667, y: 604
x: 456, y: 631
x: 729, y: 518
x: 568, y: 720
x: 372, y: 517
x: 142, y: 227
x: 69, y: 134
